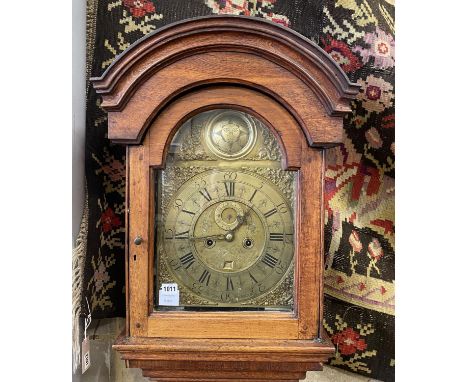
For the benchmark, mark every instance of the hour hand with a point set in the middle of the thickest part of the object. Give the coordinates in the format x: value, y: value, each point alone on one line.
x: 241, y: 219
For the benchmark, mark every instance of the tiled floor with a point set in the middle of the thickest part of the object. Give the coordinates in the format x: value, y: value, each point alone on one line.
x: 106, y: 365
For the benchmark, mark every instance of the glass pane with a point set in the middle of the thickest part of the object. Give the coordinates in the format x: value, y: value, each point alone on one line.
x: 225, y: 213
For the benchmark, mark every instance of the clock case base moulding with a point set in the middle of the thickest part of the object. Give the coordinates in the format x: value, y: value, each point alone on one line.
x: 218, y: 360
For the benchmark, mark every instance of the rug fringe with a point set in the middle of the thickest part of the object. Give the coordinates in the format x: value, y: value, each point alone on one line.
x: 78, y: 263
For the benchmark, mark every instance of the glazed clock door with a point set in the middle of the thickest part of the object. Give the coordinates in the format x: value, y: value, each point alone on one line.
x: 224, y: 218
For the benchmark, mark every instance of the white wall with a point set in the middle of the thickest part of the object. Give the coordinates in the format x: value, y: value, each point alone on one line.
x: 79, y: 111
x: 79, y: 120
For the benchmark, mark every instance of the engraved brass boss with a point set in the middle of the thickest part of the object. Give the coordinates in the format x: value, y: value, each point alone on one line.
x: 230, y: 135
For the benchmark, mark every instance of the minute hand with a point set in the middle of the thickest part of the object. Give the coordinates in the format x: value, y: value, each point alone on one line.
x: 217, y: 237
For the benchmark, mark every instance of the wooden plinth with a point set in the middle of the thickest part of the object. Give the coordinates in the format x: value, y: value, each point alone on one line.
x: 223, y: 360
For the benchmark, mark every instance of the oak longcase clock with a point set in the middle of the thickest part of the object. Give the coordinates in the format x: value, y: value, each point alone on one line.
x: 226, y: 120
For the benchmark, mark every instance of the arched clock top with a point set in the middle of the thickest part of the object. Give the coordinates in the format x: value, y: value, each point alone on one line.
x: 219, y: 50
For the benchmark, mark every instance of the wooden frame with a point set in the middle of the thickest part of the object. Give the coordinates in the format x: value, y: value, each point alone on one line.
x: 295, y: 89
x: 304, y: 321
x: 225, y: 50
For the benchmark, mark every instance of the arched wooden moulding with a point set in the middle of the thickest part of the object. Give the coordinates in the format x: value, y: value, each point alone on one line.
x: 225, y: 50
x: 266, y: 109
x: 301, y: 94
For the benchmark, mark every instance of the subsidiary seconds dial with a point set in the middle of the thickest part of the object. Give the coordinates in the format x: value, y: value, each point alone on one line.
x: 228, y: 236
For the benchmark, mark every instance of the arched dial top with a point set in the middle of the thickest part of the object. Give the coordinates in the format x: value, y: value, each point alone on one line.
x: 225, y: 220
x: 228, y: 236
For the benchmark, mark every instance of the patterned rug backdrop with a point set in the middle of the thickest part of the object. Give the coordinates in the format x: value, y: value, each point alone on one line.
x: 359, y: 232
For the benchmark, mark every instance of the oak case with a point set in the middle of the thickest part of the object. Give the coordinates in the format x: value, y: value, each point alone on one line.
x: 297, y: 91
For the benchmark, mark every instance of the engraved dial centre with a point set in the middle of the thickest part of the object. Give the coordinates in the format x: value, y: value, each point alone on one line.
x: 230, y: 253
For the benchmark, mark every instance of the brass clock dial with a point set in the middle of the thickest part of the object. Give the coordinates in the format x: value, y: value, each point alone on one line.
x: 225, y: 215
x: 229, y: 235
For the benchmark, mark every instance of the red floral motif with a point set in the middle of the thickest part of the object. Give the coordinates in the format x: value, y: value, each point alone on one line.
x: 109, y: 220
x: 382, y: 48
x: 375, y: 249
x: 373, y: 92
x: 386, y: 224
x: 348, y: 341
x: 388, y: 121
x: 355, y: 241
x: 248, y: 8
x: 359, y: 122
x: 139, y: 8
x: 342, y: 54
x: 232, y: 5
x: 364, y: 173
x: 279, y: 19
